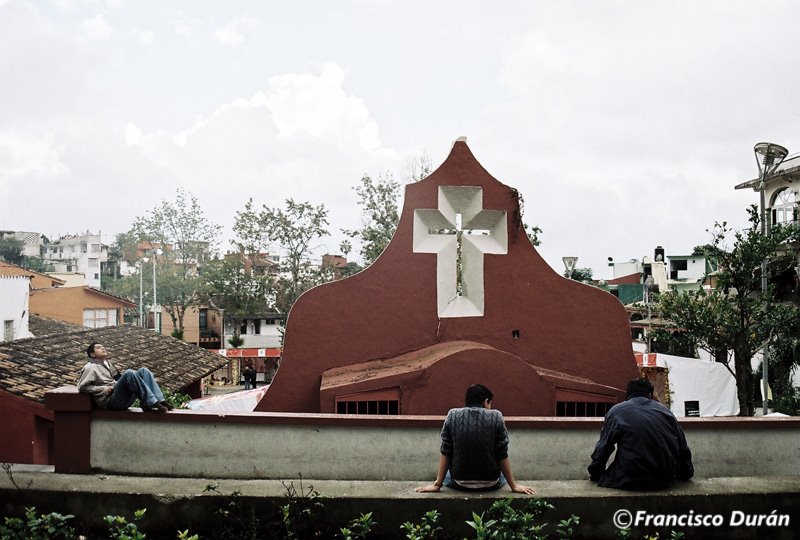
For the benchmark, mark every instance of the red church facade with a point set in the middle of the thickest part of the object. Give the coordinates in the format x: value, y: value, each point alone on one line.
x: 460, y: 296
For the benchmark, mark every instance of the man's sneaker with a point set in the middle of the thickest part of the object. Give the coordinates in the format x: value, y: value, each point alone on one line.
x: 166, y: 405
x: 155, y: 407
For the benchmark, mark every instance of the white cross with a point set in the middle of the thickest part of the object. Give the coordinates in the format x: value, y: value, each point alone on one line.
x: 460, y: 232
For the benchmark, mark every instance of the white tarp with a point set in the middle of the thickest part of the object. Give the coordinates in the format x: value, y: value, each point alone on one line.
x: 709, y: 383
x: 242, y: 401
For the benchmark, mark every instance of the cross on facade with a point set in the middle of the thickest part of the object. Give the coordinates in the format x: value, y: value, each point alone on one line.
x: 460, y: 231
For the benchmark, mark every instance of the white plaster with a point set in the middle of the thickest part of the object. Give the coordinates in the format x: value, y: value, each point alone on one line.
x: 484, y: 231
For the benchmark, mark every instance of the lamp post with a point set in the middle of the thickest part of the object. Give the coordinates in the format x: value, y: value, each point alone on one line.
x: 648, y: 286
x: 156, y: 312
x: 769, y: 156
x: 569, y: 264
x: 141, y: 294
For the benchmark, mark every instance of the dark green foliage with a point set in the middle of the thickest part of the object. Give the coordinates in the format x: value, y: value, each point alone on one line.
x: 737, y: 315
x: 378, y: 200
x: 51, y: 526
x: 426, y: 529
x: 293, y: 230
x: 358, y: 528
x: 11, y: 250
x: 120, y: 529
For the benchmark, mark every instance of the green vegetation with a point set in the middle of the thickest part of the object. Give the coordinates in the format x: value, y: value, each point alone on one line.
x: 737, y: 315
x: 301, y: 515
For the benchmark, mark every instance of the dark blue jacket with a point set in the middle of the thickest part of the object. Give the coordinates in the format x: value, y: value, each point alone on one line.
x: 651, y: 447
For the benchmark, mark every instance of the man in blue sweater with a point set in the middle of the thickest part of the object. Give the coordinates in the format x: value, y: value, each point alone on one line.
x: 474, y: 449
x: 651, y: 447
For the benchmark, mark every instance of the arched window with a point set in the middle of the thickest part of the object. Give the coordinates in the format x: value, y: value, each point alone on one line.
x: 784, y: 207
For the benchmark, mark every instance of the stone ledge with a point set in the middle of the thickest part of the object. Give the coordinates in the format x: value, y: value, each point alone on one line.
x: 181, y: 502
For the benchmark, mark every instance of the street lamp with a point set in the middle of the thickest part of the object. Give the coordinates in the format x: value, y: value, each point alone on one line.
x: 769, y: 156
x: 141, y: 294
x: 569, y: 264
x: 156, y: 312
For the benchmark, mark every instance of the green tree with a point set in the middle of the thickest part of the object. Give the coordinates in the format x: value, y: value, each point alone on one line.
x: 230, y: 285
x: 186, y: 239
x: 11, y: 250
x: 378, y: 200
x: 579, y: 274
x: 736, y: 315
x: 293, y: 230
x: 38, y: 264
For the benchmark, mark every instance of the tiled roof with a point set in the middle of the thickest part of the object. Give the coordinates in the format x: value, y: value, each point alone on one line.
x: 55, y: 291
x: 41, y: 326
x: 8, y: 269
x: 30, y: 367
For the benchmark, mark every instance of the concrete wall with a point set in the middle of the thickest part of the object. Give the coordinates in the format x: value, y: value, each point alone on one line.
x: 274, y: 445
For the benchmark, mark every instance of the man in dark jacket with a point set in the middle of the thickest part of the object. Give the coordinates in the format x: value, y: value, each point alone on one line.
x: 474, y: 449
x: 651, y: 447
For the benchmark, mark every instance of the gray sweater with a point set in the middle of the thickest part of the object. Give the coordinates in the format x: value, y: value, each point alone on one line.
x: 476, y: 440
x: 95, y: 377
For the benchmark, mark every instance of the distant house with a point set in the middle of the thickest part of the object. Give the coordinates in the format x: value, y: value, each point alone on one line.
x: 30, y: 241
x: 14, y: 291
x: 38, y: 280
x: 84, y: 306
x: 84, y: 254
x: 54, y: 358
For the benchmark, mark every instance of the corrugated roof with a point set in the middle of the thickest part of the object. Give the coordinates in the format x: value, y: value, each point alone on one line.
x: 30, y: 367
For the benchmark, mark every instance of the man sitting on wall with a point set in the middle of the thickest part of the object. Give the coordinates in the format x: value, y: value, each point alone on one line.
x: 474, y: 449
x: 110, y: 390
x: 651, y: 447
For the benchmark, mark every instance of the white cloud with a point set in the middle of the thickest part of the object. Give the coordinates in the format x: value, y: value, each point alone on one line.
x: 97, y: 28
x: 233, y: 33
x: 26, y: 154
x: 133, y: 135
x: 186, y: 27
x: 303, y: 136
x: 145, y: 37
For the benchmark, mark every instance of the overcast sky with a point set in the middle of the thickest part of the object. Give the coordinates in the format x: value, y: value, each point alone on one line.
x: 625, y: 125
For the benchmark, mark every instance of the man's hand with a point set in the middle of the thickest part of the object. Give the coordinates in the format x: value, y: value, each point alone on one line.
x: 518, y: 488
x: 433, y: 488
x: 108, y: 390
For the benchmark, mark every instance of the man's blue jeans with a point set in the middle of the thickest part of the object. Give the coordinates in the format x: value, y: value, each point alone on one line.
x: 134, y: 385
x: 448, y: 481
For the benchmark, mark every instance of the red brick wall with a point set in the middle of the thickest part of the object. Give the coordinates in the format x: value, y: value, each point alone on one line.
x: 26, y: 431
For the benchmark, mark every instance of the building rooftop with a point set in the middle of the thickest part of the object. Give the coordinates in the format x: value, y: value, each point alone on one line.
x: 30, y: 367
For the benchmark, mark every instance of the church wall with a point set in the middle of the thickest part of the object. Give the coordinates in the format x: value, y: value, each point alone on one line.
x: 391, y: 308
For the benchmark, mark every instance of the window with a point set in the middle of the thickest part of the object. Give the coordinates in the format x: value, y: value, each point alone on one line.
x: 391, y: 406
x: 582, y: 408
x: 8, y: 330
x: 95, y: 248
x: 257, y: 326
x: 203, y: 321
x: 784, y: 207
x: 94, y: 263
x: 99, y: 317
x: 243, y: 328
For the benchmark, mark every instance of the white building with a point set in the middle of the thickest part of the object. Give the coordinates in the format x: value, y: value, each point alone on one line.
x: 14, y: 297
x: 84, y: 254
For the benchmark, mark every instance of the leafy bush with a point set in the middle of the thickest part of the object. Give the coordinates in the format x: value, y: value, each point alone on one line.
x: 42, y: 527
x: 426, y: 529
